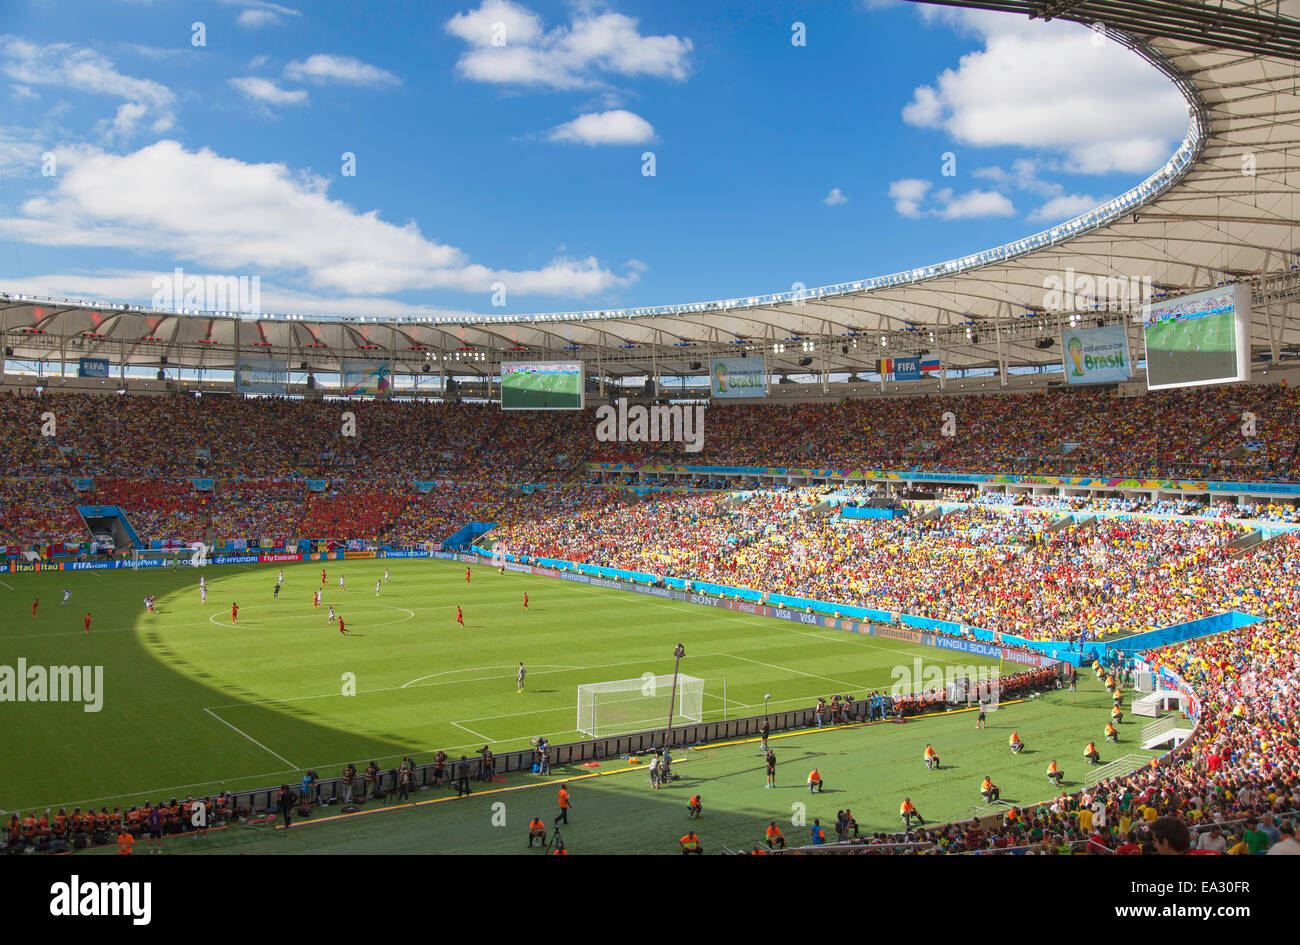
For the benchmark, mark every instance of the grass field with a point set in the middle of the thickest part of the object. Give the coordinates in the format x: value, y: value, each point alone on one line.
x: 548, y: 390
x: 195, y: 705
x: 867, y: 768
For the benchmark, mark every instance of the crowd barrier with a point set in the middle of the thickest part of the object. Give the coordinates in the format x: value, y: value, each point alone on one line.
x: 571, y: 753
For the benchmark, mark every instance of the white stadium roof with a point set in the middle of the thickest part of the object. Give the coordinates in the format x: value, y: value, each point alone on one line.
x: 1196, y: 222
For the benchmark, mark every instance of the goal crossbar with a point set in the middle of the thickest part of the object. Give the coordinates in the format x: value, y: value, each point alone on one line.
x: 622, y: 706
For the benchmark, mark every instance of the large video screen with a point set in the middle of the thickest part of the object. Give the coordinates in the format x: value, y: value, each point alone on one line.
x: 546, y: 385
x: 1198, y: 339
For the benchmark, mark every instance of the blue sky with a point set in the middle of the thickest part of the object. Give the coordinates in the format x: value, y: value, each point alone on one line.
x: 502, y: 143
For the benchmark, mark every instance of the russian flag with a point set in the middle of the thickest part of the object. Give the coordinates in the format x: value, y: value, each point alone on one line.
x: 930, y: 365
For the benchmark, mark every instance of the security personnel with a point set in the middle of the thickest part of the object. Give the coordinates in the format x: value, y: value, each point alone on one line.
x: 1054, y: 773
x: 1017, y: 744
x: 814, y: 781
x: 907, y: 810
x: 989, y: 791
x: 1112, y: 733
x: 774, y: 836
x: 536, y: 831
x: 691, y: 843
x: 1090, y: 753
x: 694, y: 808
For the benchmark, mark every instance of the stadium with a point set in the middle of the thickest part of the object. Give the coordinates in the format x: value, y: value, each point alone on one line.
x: 993, y: 555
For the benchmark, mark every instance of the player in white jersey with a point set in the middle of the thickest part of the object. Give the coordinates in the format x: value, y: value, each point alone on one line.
x: 378, y: 584
x: 332, y: 617
x: 341, y: 587
x: 280, y: 580
x: 66, y: 594
x: 201, y: 584
x: 385, y: 575
x: 203, y: 594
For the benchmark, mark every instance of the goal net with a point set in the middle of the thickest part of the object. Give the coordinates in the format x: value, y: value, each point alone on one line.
x: 634, y: 705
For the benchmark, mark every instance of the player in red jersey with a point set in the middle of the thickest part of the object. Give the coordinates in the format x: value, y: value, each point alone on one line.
x: 36, y: 603
x: 234, y: 613
x: 322, y: 575
x: 315, y: 599
x: 460, y: 618
x: 87, y: 623
x: 466, y: 574
x: 342, y: 629
x: 525, y: 600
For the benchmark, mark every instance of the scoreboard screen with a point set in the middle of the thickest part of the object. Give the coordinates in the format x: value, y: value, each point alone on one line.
x: 545, y: 385
x: 1198, y: 339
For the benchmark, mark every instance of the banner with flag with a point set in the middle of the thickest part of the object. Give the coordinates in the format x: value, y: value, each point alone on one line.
x: 884, y: 366
x: 907, y: 369
x: 930, y: 366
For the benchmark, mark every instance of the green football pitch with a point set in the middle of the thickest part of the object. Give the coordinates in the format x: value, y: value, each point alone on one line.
x: 551, y: 390
x: 1207, y: 333
x: 195, y: 705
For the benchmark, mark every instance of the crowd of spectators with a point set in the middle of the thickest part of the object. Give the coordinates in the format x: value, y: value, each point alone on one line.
x: 1232, y: 788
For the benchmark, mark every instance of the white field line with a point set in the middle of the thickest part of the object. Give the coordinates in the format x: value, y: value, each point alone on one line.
x: 252, y: 739
x: 768, y: 623
x: 795, y: 672
x: 472, y: 732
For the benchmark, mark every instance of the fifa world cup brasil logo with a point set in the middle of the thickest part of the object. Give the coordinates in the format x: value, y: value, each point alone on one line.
x: 1076, y: 352
x: 720, y: 378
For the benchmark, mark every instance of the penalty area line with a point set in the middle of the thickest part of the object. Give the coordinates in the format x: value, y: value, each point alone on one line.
x: 465, y: 728
x: 253, y: 740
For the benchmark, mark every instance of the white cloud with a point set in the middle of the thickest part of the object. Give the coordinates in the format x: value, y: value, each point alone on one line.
x: 595, y: 128
x: 266, y: 92
x: 266, y: 220
x: 910, y: 194
x: 1047, y: 86
x: 1022, y: 176
x: 835, y: 198
x: 343, y: 69
x: 258, y: 13
x: 973, y: 203
x: 907, y: 195
x: 23, y: 93
x: 566, y: 57
x: 1066, y: 207
x: 497, y: 23
x: 64, y: 65
x: 20, y: 149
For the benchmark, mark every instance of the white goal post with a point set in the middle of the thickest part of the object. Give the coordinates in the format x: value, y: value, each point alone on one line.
x: 634, y: 705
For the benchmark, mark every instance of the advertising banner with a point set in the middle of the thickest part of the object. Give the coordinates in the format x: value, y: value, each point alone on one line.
x: 1095, y: 355
x: 93, y: 367
x: 907, y: 369
x: 737, y: 377
x: 261, y: 376
x: 367, y: 378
